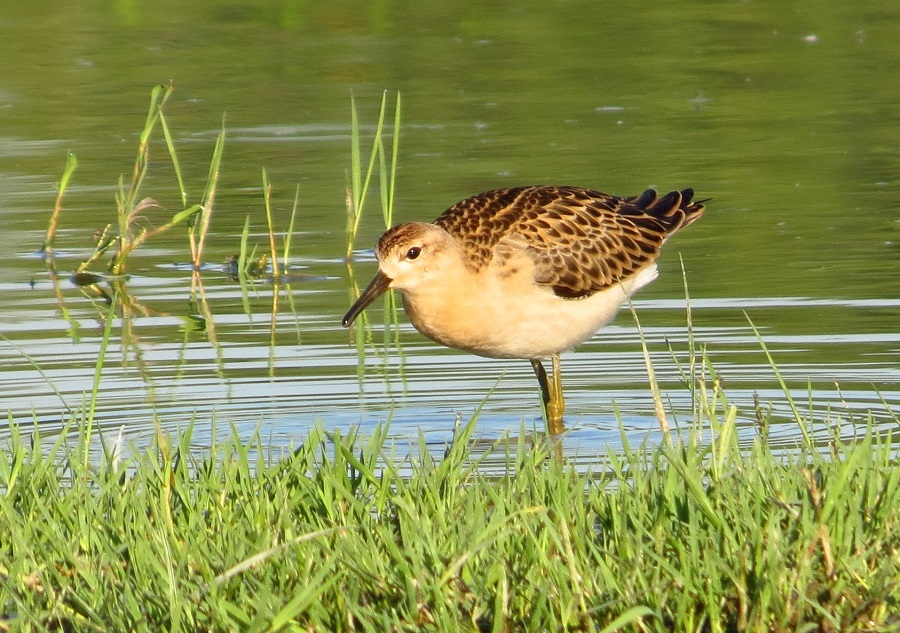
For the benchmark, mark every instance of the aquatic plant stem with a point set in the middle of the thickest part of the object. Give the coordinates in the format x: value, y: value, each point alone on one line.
x: 88, y: 427
x: 801, y: 424
x: 658, y: 406
x: 273, y: 248
x: 290, y: 231
x: 359, y: 187
x: 388, y: 176
x: 71, y: 165
x: 197, y: 237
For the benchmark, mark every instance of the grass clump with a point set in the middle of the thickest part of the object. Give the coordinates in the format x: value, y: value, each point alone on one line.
x: 358, y: 187
x: 343, y: 534
x: 133, y: 226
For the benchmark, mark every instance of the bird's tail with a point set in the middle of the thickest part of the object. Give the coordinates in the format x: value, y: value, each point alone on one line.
x: 676, y: 209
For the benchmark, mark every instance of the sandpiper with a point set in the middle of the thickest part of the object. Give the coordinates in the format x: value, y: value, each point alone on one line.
x: 527, y: 272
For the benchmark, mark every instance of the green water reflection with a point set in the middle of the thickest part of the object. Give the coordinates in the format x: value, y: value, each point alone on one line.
x: 785, y: 114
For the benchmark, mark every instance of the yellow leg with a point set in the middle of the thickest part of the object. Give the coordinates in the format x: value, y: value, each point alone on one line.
x: 557, y: 405
x: 551, y: 394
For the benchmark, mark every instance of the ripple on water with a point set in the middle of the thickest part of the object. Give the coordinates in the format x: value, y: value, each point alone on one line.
x: 223, y: 362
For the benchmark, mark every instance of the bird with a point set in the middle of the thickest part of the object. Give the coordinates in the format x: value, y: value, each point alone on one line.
x: 527, y: 272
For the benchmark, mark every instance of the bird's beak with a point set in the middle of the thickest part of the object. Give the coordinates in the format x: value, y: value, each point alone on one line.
x: 376, y: 287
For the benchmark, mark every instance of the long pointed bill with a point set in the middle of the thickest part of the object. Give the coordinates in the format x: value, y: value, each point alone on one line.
x: 376, y: 287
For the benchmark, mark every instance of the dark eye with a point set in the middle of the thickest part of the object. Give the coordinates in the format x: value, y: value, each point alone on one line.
x: 413, y: 252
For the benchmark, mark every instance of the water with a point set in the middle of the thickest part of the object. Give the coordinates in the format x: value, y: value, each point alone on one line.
x: 785, y: 116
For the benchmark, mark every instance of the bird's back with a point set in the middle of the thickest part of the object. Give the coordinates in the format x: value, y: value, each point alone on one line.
x: 582, y: 241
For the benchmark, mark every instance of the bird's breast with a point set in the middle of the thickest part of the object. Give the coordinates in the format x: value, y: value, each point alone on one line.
x: 508, y: 315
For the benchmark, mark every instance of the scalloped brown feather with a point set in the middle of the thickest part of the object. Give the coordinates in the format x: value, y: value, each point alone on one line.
x: 581, y: 241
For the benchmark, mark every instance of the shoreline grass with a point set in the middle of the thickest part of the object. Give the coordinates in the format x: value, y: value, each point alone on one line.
x: 347, y: 534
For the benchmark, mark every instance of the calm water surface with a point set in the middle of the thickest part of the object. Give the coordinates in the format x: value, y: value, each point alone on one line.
x: 787, y: 117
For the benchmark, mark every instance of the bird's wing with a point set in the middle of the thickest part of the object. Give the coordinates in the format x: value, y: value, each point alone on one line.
x: 581, y: 241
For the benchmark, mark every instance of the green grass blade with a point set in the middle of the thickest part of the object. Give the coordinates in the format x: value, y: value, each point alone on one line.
x: 658, y: 405
x: 355, y: 157
x: 198, y: 241
x: 360, y: 185
x: 320, y: 584
x: 273, y: 248
x: 98, y: 373
x: 183, y: 215
x: 373, y: 158
x: 630, y: 616
x: 71, y: 165
x: 290, y: 231
x: 173, y: 155
x: 395, y: 152
x: 801, y: 423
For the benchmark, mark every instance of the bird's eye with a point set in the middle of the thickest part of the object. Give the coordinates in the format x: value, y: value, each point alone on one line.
x: 413, y: 252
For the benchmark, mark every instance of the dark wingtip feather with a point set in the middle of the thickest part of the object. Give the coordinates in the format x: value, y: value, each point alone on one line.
x: 676, y: 209
x: 646, y: 199
x: 667, y: 204
x: 692, y: 209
